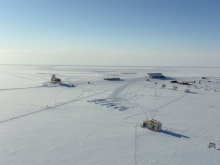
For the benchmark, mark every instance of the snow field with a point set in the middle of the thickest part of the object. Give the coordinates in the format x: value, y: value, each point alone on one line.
x: 99, y: 123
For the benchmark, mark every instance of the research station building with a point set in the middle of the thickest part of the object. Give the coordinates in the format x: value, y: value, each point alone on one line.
x: 155, y: 75
x: 152, y: 125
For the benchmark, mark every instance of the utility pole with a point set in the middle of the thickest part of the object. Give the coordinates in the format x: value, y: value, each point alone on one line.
x: 155, y: 88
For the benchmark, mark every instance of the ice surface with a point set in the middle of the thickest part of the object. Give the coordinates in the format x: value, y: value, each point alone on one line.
x: 99, y: 123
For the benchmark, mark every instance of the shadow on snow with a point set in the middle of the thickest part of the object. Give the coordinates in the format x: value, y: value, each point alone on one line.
x: 174, y: 134
x: 66, y: 85
x: 192, y: 92
x: 114, y: 80
x: 166, y: 78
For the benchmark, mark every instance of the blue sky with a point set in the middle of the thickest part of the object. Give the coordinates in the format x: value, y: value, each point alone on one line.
x: 110, y: 32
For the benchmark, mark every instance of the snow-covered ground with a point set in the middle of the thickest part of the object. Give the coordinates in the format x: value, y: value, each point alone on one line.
x: 99, y: 123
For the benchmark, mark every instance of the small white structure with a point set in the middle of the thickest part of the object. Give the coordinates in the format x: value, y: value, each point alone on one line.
x: 174, y: 87
x: 53, y: 76
x: 155, y: 75
x: 152, y: 125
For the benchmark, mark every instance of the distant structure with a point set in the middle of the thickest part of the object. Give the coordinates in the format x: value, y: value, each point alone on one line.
x: 174, y: 81
x: 175, y: 87
x: 54, y: 79
x: 112, y: 78
x: 184, y: 83
x: 152, y: 125
x: 163, y: 86
x: 155, y: 75
x: 186, y: 90
x: 212, y: 145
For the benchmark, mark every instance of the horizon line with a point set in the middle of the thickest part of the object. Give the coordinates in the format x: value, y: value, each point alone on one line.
x: 111, y: 65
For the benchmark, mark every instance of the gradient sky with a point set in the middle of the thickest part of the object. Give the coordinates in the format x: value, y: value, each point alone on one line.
x: 110, y: 32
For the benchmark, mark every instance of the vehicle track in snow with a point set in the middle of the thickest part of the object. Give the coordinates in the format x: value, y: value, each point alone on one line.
x: 148, y: 111
x: 53, y: 96
x: 9, y: 89
x: 175, y: 100
x: 135, y: 104
x: 143, y: 112
x: 59, y: 105
x: 116, y: 94
x: 135, y: 146
x: 188, y: 102
x: 156, y: 109
x: 24, y: 74
x: 15, y: 75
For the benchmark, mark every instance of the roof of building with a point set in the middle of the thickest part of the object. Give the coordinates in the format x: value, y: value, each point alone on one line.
x: 153, y: 122
x: 112, y: 78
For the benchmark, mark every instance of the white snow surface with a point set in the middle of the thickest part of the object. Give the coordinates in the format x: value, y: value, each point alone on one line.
x: 99, y: 123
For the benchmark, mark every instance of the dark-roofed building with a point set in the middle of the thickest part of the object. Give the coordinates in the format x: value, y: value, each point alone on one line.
x: 155, y: 75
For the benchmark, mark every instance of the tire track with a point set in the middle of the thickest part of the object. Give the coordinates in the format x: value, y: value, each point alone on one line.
x: 16, y: 75
x: 48, y: 108
x: 21, y: 88
x: 135, y: 146
x: 154, y: 110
